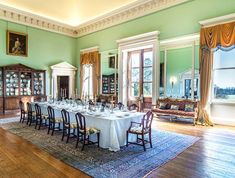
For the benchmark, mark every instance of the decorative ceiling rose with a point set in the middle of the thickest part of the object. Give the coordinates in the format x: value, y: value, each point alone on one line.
x: 124, y: 14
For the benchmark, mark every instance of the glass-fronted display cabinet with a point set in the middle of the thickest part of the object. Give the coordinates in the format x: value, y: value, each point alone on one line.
x: 12, y: 83
x: 108, y: 84
x: 1, y: 91
x: 25, y: 83
x: 38, y: 80
x: 20, y: 82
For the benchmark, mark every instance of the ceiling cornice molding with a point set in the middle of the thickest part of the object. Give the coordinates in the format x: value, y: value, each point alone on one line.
x: 129, y: 12
x: 180, y: 42
x: 132, y: 11
x: 218, y: 20
x: 21, y: 17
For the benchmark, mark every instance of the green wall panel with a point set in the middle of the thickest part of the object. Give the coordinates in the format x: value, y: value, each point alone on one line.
x: 44, y: 48
x: 172, y: 22
x: 47, y: 48
x: 106, y: 70
x: 178, y: 62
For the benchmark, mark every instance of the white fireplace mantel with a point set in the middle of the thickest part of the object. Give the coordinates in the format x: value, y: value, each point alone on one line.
x: 63, y: 69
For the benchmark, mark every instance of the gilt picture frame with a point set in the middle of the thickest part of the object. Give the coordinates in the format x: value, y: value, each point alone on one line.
x: 112, y: 62
x: 17, y: 43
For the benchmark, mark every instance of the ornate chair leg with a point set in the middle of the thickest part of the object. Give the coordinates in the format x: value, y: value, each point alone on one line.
x: 36, y: 123
x: 84, y: 142
x: 68, y: 135
x: 143, y: 142
x: 21, y: 117
x: 194, y: 121
x: 126, y: 138
x: 77, y: 140
x: 40, y: 123
x: 30, y: 121
x: 62, y: 134
x: 150, y: 139
x: 98, y: 139
x: 49, y: 127
x: 53, y: 129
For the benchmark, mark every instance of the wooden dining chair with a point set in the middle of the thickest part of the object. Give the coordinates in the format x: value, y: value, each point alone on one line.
x: 54, y: 122
x: 22, y: 111
x: 79, y: 101
x: 67, y: 126
x: 31, y: 115
x: 133, y: 107
x: 140, y: 130
x: 90, y: 102
x: 41, y: 119
x: 84, y: 132
x: 120, y: 105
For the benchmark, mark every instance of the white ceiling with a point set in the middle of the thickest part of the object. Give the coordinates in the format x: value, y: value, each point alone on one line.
x: 71, y: 12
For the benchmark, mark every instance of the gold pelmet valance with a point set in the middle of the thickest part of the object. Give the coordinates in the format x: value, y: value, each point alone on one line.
x: 219, y: 36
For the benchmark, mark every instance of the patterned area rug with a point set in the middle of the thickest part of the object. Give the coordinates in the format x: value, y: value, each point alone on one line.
x: 129, y: 162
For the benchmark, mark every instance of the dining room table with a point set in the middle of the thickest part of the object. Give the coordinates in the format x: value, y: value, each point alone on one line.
x: 112, y: 122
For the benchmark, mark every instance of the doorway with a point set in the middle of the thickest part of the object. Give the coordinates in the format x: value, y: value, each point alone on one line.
x: 63, y: 87
x: 140, y: 77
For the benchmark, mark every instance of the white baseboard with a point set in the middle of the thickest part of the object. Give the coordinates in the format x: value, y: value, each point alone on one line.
x: 224, y: 121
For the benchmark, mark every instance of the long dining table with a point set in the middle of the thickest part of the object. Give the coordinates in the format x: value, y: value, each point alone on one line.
x: 112, y: 124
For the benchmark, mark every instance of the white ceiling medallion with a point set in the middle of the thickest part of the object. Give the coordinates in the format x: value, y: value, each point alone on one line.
x: 132, y: 11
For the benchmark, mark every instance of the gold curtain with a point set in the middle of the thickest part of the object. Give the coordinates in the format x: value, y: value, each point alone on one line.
x: 92, y: 58
x: 211, y: 37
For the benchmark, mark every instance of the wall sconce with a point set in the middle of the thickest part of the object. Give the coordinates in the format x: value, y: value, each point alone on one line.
x: 173, y: 81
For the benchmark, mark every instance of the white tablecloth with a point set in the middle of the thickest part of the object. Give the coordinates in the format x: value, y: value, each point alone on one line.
x: 112, y: 126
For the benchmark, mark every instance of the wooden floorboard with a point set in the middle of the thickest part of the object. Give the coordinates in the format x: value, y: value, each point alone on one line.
x: 20, y: 158
x: 212, y: 156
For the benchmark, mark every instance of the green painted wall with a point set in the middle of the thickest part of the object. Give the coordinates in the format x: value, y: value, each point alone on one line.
x: 44, y: 48
x: 172, y: 22
x: 178, y: 62
x: 105, y: 62
x: 47, y: 48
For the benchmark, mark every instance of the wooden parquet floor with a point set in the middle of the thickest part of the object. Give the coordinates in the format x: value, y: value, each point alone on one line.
x: 212, y: 156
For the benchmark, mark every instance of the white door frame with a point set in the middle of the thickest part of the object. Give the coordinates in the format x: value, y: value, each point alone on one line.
x: 141, y: 41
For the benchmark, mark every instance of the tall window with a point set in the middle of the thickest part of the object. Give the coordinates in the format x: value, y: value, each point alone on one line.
x: 140, y: 73
x: 188, y: 88
x: 87, y: 81
x: 223, y: 75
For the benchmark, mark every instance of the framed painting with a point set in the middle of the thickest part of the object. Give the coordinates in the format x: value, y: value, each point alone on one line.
x: 112, y: 62
x: 17, y: 44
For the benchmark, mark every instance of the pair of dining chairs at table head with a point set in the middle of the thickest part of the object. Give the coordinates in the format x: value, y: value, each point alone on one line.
x: 53, y: 123
x: 79, y: 129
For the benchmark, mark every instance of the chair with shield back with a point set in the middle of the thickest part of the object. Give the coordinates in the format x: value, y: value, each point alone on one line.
x: 22, y: 111
x: 67, y: 125
x: 41, y: 119
x: 133, y: 107
x: 54, y: 122
x: 84, y: 133
x: 140, y: 130
x: 120, y: 105
x: 31, y: 115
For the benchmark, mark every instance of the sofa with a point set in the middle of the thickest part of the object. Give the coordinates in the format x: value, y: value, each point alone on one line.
x: 176, y: 108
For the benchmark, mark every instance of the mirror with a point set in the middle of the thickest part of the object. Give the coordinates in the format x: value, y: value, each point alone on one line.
x: 109, y: 73
x: 162, y: 75
x: 179, y: 73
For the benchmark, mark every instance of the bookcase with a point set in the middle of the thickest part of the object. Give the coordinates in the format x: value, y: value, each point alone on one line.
x: 20, y: 82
